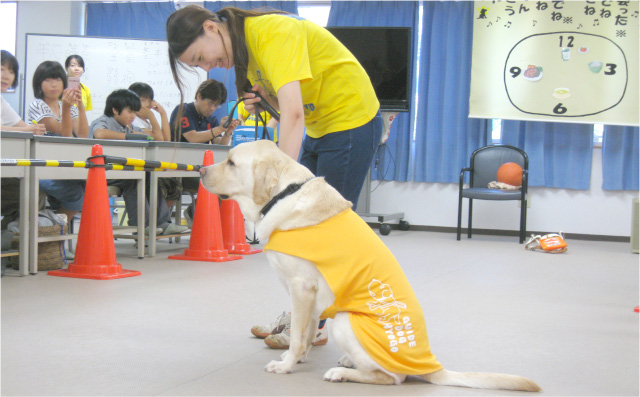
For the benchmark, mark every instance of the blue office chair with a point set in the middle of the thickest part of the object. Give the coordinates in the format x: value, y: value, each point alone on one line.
x: 484, y: 167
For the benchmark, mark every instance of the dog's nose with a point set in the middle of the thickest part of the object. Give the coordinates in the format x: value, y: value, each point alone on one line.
x: 203, y: 171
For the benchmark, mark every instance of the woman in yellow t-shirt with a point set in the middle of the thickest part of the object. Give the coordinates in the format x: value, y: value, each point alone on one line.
x: 75, y: 68
x: 303, y: 71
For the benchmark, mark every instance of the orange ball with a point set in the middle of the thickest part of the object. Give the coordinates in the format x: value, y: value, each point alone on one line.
x: 510, y: 173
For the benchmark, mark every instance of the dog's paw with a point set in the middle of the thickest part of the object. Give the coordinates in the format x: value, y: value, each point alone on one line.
x: 345, y: 362
x: 278, y: 367
x: 335, y: 375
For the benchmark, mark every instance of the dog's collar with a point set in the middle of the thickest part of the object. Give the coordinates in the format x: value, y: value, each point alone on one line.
x: 292, y: 188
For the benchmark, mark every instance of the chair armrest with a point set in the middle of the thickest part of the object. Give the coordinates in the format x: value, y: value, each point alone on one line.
x: 462, y: 171
x: 525, y: 181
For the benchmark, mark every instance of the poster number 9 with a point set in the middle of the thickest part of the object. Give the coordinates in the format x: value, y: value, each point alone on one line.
x: 515, y: 71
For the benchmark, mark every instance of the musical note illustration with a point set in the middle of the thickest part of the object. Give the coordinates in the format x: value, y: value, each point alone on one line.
x: 508, y: 25
x: 534, y: 22
x: 596, y: 22
x: 497, y: 19
x: 635, y: 14
x: 579, y: 26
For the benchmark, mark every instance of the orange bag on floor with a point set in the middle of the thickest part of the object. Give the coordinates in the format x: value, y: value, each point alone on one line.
x: 551, y: 243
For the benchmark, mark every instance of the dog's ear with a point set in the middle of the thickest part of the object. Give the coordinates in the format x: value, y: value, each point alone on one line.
x: 265, y: 180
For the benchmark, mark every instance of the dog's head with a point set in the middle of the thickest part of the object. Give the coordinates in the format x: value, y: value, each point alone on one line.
x: 252, y: 174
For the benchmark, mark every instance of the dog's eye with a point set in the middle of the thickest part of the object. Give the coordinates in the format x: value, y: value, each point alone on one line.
x: 230, y: 163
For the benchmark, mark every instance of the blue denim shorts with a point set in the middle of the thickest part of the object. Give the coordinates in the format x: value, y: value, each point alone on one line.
x: 67, y: 194
x: 343, y: 157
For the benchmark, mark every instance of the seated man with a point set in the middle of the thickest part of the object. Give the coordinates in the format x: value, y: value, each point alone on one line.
x: 197, y: 123
x: 120, y: 111
x: 146, y: 119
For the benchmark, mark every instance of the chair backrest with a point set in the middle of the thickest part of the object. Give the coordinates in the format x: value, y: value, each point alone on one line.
x: 486, y: 161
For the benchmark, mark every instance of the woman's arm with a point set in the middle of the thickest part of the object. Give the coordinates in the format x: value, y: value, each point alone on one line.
x: 291, y: 110
x: 103, y: 133
x: 166, y: 130
x: 21, y: 126
x: 80, y: 124
x: 65, y: 126
x: 156, y: 131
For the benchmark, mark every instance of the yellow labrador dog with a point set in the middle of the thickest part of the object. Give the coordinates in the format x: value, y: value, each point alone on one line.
x: 335, y: 266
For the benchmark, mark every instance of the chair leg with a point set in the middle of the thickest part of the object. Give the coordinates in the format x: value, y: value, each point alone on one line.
x: 71, y: 231
x: 470, y: 212
x: 523, y: 220
x: 459, y: 217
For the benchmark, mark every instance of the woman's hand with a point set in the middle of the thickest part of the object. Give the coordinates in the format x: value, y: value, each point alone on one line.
x: 144, y: 113
x: 36, y: 129
x: 232, y: 126
x: 250, y: 99
x: 157, y: 107
x: 69, y: 97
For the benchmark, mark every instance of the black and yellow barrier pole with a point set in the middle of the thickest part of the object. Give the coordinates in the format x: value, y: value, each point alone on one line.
x: 112, y: 163
x: 151, y: 163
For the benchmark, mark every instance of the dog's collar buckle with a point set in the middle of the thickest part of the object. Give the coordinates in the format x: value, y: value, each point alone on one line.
x: 289, y: 190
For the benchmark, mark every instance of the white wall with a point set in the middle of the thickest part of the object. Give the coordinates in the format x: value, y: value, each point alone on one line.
x: 594, y: 211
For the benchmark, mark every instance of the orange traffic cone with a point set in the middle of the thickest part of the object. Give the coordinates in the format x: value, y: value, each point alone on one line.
x: 233, y: 234
x: 205, y: 243
x: 96, y: 252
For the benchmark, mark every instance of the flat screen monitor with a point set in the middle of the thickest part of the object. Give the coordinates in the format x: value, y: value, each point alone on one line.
x: 385, y: 54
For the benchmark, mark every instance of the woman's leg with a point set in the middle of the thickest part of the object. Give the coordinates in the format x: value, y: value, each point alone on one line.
x: 344, y: 157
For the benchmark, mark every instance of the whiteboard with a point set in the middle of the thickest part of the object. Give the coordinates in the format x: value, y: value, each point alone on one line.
x: 111, y: 64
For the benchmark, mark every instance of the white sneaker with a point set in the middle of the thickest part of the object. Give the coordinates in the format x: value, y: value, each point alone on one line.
x: 188, y: 215
x: 262, y: 331
x: 281, y: 340
x: 174, y: 229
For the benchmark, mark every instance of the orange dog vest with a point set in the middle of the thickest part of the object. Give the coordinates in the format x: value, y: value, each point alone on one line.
x: 369, y: 283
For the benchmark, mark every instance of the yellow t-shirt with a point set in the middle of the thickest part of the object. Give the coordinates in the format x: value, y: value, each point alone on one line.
x: 367, y: 282
x: 86, y: 97
x: 336, y: 91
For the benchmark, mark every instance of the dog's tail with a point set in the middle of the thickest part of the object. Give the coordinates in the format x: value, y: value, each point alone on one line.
x: 481, y: 380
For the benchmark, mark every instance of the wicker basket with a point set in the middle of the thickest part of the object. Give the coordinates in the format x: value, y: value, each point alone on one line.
x: 51, y: 255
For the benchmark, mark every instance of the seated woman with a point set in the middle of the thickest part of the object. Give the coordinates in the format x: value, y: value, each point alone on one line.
x: 54, y: 107
x: 75, y: 68
x: 11, y: 121
x: 54, y: 104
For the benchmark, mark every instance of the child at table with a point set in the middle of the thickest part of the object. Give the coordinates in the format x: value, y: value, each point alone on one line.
x: 196, y: 123
x: 116, y: 123
x: 145, y: 117
x: 11, y: 121
x: 171, y: 187
x: 75, y: 68
x: 54, y: 103
x: 54, y: 107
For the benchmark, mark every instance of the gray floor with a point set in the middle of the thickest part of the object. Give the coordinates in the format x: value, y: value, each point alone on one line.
x: 182, y: 328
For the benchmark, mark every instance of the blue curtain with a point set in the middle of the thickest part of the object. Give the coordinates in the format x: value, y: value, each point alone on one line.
x: 620, y: 158
x: 228, y: 77
x: 559, y: 154
x: 140, y: 20
x: 445, y: 135
x: 288, y: 6
x: 392, y: 162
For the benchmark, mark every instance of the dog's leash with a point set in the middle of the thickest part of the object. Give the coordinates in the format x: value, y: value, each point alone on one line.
x: 289, y: 190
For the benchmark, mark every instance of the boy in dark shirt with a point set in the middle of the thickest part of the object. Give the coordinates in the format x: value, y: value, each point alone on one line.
x: 198, y: 124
